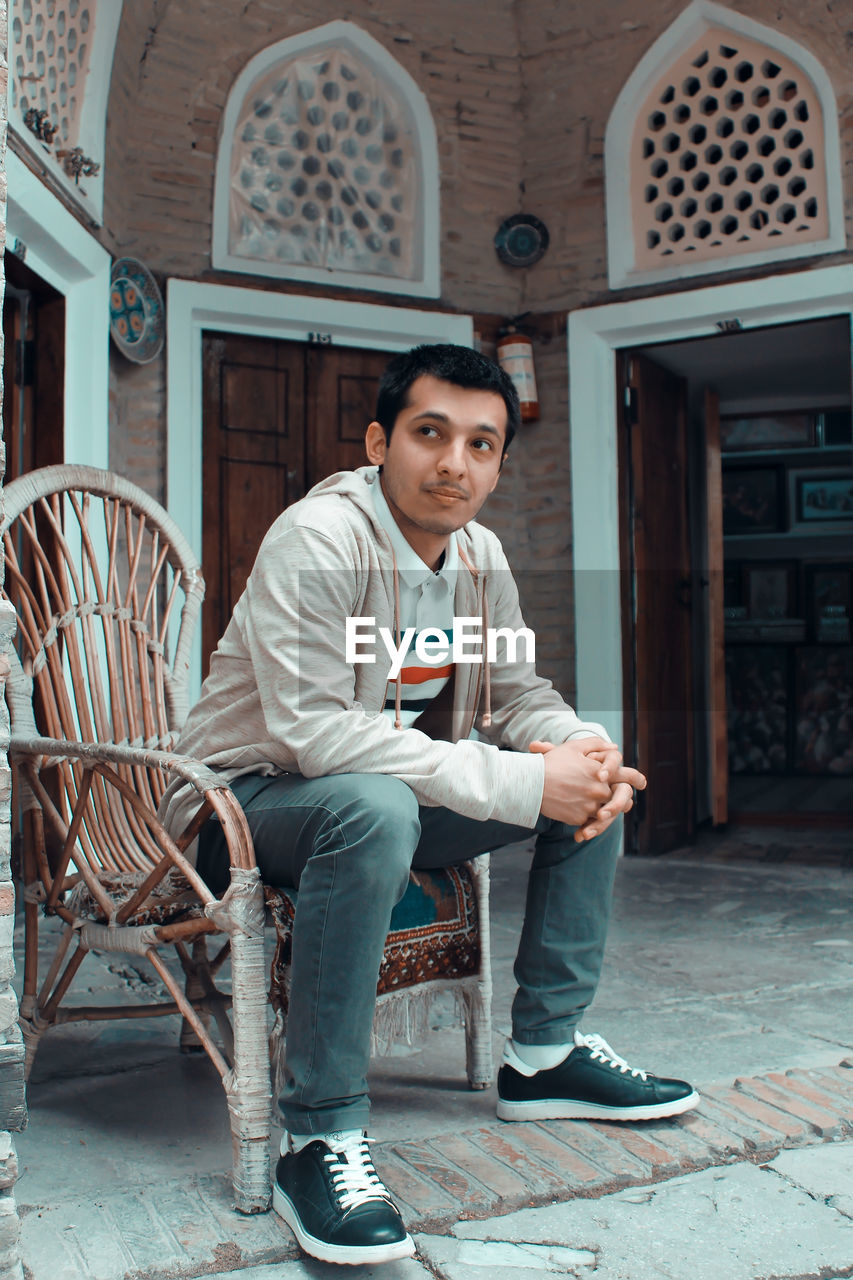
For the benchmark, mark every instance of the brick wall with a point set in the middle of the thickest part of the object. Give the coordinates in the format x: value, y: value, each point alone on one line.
x: 575, y: 58
x: 520, y: 91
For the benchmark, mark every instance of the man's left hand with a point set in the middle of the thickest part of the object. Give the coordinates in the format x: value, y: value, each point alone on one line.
x: 621, y: 780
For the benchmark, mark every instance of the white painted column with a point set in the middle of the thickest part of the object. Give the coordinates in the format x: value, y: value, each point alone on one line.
x: 13, y: 1113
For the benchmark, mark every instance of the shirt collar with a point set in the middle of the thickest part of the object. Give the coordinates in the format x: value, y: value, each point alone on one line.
x: 411, y: 568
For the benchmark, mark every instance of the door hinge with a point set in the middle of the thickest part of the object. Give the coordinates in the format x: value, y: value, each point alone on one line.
x: 25, y: 362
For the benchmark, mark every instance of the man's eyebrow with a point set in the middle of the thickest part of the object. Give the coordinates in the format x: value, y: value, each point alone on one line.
x: 438, y: 416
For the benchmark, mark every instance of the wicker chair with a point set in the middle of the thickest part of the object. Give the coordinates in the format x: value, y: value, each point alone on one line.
x: 105, y: 585
x: 106, y: 588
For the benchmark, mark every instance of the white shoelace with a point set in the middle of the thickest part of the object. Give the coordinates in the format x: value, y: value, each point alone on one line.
x: 354, y: 1178
x: 602, y: 1052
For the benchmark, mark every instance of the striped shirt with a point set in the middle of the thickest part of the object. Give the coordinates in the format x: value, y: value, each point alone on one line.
x: 426, y: 603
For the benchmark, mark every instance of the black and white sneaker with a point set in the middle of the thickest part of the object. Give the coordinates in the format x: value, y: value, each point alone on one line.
x: 336, y: 1205
x: 591, y: 1083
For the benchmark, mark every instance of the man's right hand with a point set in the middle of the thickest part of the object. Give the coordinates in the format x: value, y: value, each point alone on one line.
x: 577, y: 785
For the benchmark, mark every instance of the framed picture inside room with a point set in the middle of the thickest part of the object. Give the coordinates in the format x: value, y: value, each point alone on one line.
x: 769, y: 431
x: 753, y: 500
x: 771, y: 589
x: 829, y: 594
x: 733, y: 587
x: 822, y: 500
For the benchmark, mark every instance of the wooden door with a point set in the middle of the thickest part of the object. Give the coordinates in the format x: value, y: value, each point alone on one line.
x: 278, y: 417
x: 657, y: 604
x: 253, y: 460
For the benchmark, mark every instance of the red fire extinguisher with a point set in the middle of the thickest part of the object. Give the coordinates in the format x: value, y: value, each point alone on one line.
x: 515, y: 356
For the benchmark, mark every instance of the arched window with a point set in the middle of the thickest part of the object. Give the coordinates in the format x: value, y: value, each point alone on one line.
x: 328, y: 168
x: 60, y: 62
x: 722, y: 152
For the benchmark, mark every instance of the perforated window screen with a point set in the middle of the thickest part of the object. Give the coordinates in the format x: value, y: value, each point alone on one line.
x: 727, y: 156
x: 50, y: 52
x: 324, y: 169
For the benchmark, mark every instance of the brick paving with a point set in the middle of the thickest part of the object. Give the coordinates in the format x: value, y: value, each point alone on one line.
x: 165, y: 1229
x: 498, y: 1168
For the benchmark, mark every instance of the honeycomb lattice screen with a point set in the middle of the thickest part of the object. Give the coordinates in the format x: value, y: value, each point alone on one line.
x: 324, y: 169
x: 51, y: 46
x: 727, y: 156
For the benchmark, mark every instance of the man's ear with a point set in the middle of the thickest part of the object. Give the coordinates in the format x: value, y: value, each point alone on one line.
x: 375, y: 443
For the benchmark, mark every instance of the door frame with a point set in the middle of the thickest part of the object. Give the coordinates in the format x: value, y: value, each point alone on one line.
x: 193, y: 307
x: 57, y: 247
x: 594, y: 336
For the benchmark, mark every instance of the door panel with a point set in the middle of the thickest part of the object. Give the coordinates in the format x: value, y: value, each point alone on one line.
x: 719, y: 760
x: 341, y: 387
x: 658, y: 636
x: 278, y: 418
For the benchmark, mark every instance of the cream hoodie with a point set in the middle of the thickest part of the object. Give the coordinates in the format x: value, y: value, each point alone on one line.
x: 280, y: 697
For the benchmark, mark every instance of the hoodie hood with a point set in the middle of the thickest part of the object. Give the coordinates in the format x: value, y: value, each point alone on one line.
x: 355, y: 486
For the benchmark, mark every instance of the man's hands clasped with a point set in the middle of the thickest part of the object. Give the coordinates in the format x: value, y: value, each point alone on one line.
x: 586, y: 784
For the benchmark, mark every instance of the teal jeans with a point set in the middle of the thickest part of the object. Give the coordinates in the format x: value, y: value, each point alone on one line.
x: 347, y: 843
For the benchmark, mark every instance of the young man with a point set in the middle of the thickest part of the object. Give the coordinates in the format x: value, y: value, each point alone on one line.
x: 349, y: 777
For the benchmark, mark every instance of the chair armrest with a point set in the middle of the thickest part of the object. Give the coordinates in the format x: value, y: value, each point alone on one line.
x: 104, y: 757
x: 186, y: 767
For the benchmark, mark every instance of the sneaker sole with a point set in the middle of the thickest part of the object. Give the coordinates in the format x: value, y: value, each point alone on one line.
x: 353, y: 1255
x: 563, y: 1109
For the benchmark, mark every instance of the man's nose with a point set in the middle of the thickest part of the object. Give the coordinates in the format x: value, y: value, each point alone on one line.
x: 453, y: 459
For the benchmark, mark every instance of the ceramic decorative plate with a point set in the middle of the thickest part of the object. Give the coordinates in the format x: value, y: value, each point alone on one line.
x: 137, y: 315
x: 521, y: 240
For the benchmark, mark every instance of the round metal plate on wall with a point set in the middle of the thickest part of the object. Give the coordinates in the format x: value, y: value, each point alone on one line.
x: 137, y: 314
x: 521, y: 240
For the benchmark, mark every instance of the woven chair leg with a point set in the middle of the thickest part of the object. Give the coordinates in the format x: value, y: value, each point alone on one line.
x: 189, y: 1042
x: 478, y: 1050
x: 248, y: 1083
x: 32, y: 1030
x: 479, y: 1063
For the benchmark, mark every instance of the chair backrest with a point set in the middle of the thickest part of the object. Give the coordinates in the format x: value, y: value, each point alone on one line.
x: 107, y: 592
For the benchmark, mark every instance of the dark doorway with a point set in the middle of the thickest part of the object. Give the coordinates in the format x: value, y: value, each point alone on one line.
x: 33, y: 370
x: 759, y: 425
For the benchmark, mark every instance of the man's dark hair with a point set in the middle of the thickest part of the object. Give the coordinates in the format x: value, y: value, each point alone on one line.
x: 462, y: 366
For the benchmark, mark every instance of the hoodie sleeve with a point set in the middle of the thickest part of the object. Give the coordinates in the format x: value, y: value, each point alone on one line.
x: 294, y: 630
x: 524, y: 707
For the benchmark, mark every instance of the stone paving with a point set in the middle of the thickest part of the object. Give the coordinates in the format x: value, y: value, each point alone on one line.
x: 124, y: 1170
x: 742, y: 1222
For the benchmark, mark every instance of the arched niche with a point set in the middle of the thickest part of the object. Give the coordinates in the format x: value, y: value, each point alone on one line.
x: 722, y: 152
x: 327, y: 168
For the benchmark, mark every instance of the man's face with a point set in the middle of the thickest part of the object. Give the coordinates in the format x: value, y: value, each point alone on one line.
x: 442, y: 461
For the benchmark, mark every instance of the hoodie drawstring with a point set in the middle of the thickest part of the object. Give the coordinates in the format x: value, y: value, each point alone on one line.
x: 398, y: 683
